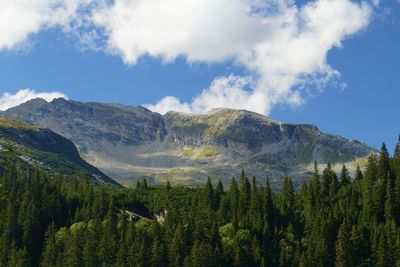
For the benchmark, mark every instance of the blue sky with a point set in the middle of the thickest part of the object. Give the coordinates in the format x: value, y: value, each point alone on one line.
x: 360, y: 103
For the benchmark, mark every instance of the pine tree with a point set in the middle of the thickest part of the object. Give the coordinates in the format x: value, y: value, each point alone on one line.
x: 176, y: 251
x: 144, y: 184
x: 382, y: 259
x: 344, y: 176
x: 256, y: 208
x: 18, y: 257
x: 50, y: 253
x: 288, y: 246
x: 168, y: 185
x: 31, y: 231
x: 371, y: 169
x: 312, y: 199
x: 209, y: 201
x: 370, y: 176
x: 73, y: 249
x: 396, y: 198
x: 383, y: 165
x: 202, y: 255
x: 287, y: 201
x: 330, y: 184
x: 90, y: 244
x: 359, y: 174
x: 159, y: 258
x: 219, y: 193
x: 99, y: 209
x: 343, y: 248
x: 397, y: 149
x: 389, y: 201
x: 234, y: 203
x: 269, y: 206
x: 238, y: 260
x: 244, y: 197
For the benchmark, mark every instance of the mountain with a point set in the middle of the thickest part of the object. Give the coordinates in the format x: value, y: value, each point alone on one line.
x: 33, y: 145
x: 131, y: 142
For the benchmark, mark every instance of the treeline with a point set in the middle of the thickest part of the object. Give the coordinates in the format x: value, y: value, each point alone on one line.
x: 334, y: 220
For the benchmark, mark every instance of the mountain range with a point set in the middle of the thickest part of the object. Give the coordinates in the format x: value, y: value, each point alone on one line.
x: 131, y: 142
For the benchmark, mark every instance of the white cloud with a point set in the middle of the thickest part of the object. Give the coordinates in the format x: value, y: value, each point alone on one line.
x: 205, y: 30
x: 21, y: 18
x: 282, y: 46
x: 8, y: 100
x: 285, y: 49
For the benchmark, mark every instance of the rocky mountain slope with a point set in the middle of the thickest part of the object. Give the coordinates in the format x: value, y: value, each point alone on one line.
x: 42, y: 147
x: 131, y: 142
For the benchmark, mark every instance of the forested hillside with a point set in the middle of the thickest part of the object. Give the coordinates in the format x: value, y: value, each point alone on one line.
x: 334, y: 220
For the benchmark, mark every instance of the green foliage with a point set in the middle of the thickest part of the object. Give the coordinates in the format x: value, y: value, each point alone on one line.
x: 397, y: 149
x: 331, y: 221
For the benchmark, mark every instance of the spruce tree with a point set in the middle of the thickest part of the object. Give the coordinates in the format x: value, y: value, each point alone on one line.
x: 359, y: 247
x: 158, y: 258
x: 389, y: 201
x: 343, y: 247
x: 382, y: 257
x: 219, y: 193
x: 359, y: 174
x: 368, y: 184
x: 287, y: 201
x: 209, y: 201
x: 176, y: 253
x: 397, y: 149
x: 244, y: 196
x: 268, y: 206
x: 234, y: 203
x: 18, y: 258
x: 344, y: 176
x: 50, y: 253
x: 383, y: 165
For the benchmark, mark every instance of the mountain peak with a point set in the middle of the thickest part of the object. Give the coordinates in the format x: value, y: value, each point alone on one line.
x: 35, y: 102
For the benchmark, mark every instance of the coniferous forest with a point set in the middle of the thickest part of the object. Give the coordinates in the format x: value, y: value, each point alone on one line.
x: 332, y: 220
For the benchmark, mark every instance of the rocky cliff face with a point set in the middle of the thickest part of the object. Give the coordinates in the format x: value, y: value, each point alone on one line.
x: 131, y: 142
x: 34, y: 145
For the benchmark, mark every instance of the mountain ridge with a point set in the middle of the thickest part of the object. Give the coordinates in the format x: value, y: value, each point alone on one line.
x: 132, y: 142
x: 34, y: 145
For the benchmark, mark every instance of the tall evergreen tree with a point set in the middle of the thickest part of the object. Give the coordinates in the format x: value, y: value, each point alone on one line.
x: 287, y: 201
x: 344, y: 176
x: 50, y: 253
x: 219, y: 193
x: 397, y: 149
x: 389, y: 201
x: 343, y: 247
x: 234, y: 202
x: 383, y: 165
x: 359, y: 174
x: 177, y: 250
x: 269, y: 206
x: 244, y: 196
x: 209, y: 201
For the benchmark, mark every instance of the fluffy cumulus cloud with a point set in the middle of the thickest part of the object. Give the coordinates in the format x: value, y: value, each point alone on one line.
x: 282, y: 45
x: 21, y: 18
x: 8, y: 100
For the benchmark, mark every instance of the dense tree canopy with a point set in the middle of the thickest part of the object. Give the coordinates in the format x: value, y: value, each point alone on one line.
x: 333, y: 220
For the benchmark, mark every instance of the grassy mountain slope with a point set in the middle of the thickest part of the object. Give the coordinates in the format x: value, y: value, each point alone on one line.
x: 38, y: 146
